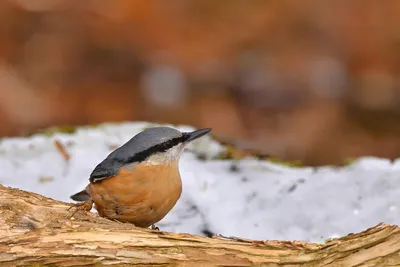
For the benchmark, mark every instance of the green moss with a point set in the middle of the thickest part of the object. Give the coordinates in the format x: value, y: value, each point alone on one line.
x: 349, y: 161
x: 293, y: 163
x: 69, y: 129
x: 55, y: 129
x: 225, y: 155
x: 94, y: 125
x: 232, y: 153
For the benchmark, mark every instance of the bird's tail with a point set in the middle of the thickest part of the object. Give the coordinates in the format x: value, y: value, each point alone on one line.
x: 81, y: 196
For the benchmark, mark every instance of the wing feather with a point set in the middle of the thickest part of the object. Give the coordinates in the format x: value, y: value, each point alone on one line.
x: 106, y: 169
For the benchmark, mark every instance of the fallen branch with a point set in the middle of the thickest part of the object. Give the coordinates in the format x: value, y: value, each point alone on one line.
x: 37, y: 230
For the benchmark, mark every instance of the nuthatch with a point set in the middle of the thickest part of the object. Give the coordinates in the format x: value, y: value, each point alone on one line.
x: 139, y: 182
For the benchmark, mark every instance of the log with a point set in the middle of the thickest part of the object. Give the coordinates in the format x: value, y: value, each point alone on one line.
x: 35, y: 230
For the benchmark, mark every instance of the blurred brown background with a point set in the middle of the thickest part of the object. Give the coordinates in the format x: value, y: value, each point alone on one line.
x: 316, y: 81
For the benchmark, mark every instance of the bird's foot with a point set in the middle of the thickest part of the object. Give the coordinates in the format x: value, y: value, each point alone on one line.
x: 154, y: 227
x: 82, y: 206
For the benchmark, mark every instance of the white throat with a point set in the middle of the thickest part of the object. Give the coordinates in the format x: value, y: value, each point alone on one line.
x: 172, y: 154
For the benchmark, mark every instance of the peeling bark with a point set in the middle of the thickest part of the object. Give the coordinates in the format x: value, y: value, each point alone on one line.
x: 38, y: 230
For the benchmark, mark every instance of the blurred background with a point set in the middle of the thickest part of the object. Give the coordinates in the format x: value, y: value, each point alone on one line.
x: 315, y: 81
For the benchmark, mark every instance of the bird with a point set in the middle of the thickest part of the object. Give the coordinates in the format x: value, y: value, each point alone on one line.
x: 139, y: 182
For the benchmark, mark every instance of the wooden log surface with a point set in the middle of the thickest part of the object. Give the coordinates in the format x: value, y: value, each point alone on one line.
x: 35, y: 230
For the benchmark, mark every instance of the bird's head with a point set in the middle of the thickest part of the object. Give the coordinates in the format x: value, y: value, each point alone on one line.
x: 158, y: 145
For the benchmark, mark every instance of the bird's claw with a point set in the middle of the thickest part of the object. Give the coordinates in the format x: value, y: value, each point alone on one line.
x: 81, y: 206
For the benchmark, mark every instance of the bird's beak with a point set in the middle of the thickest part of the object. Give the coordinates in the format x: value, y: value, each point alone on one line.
x: 197, y: 134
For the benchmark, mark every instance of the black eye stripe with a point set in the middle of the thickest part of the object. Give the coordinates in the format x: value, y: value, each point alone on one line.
x: 141, y: 156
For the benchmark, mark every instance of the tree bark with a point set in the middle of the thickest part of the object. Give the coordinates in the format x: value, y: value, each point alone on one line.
x: 38, y: 230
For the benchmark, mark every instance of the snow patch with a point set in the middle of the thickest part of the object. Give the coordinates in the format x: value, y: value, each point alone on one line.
x: 249, y: 198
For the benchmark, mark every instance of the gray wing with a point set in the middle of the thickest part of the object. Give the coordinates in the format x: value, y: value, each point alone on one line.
x: 107, y: 168
x: 113, y: 163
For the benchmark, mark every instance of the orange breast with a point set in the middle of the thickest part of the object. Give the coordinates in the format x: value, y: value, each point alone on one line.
x: 141, y: 195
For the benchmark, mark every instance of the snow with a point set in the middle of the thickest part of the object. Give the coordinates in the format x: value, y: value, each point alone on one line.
x: 248, y: 198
